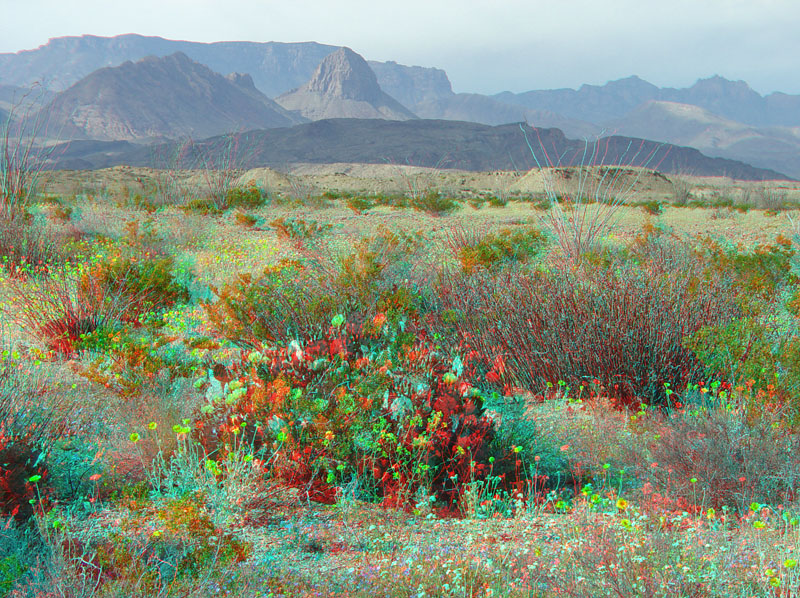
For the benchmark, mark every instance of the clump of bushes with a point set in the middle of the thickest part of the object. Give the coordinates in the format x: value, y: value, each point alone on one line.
x: 246, y: 198
x: 298, y: 229
x: 366, y: 400
x: 64, y: 305
x: 498, y: 249
x: 433, y: 203
x: 622, y: 326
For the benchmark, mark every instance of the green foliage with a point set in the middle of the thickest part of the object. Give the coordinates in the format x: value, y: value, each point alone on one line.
x: 246, y: 220
x: 11, y: 570
x: 434, y: 203
x: 295, y: 299
x: 762, y: 271
x: 371, y: 401
x: 148, y: 278
x: 653, y: 207
x: 245, y: 198
x: 298, y: 229
x: 506, y: 246
x: 359, y: 205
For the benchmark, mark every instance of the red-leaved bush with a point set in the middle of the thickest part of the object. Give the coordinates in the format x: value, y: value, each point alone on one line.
x: 365, y: 400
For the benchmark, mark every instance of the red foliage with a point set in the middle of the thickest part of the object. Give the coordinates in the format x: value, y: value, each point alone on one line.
x: 17, y: 465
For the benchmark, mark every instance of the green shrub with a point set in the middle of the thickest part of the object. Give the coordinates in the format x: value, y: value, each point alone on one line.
x: 204, y: 206
x: 245, y: 198
x: 147, y: 279
x: 246, y: 220
x: 359, y: 205
x: 298, y: 229
x: 298, y: 300
x: 653, y: 207
x: 506, y: 246
x: 434, y: 203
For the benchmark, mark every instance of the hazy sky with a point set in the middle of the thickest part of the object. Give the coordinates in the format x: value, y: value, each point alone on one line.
x: 485, y: 46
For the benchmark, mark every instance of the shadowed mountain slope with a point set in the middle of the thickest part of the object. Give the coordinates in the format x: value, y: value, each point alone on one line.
x: 433, y: 143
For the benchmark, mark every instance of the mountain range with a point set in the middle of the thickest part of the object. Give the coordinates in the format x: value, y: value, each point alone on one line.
x: 93, y: 89
x: 416, y: 142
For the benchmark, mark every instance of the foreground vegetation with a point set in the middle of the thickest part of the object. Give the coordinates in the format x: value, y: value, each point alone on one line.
x: 266, y: 403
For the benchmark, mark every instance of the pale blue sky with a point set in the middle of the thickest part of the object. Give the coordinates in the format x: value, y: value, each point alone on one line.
x: 486, y: 46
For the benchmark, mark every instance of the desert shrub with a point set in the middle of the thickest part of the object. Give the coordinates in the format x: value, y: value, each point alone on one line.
x: 27, y: 247
x: 771, y: 198
x: 32, y: 416
x: 497, y: 202
x: 298, y: 299
x: 245, y: 220
x: 740, y: 351
x: 653, y: 207
x: 623, y: 327
x: 717, y: 451
x: 762, y: 271
x: 152, y: 548
x: 204, y: 206
x: 148, y: 278
x: 527, y: 451
x: 245, y: 198
x: 494, y: 250
x: 391, y: 200
x: 433, y: 203
x: 367, y: 400
x: 359, y: 205
x: 60, y: 307
x: 681, y: 191
x: 298, y: 229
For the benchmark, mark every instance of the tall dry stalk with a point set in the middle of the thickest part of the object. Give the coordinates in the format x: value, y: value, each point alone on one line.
x: 20, y: 161
x: 583, y: 212
x: 218, y: 159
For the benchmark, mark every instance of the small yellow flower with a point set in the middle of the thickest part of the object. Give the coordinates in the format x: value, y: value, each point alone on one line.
x: 622, y: 504
x: 758, y: 524
x: 329, y: 435
x: 774, y: 582
x: 790, y: 563
x: 134, y: 437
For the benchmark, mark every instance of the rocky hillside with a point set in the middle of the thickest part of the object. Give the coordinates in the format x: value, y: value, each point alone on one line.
x: 166, y: 97
x: 343, y: 86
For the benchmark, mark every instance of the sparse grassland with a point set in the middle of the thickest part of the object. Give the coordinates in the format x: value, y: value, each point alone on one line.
x: 322, y: 386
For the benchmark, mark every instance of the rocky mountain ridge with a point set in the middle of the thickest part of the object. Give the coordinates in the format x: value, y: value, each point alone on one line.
x: 343, y: 86
x: 157, y: 98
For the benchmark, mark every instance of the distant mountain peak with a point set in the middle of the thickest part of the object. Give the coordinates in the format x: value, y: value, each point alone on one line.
x: 344, y: 74
x: 344, y: 86
x: 721, y: 85
x: 243, y: 80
